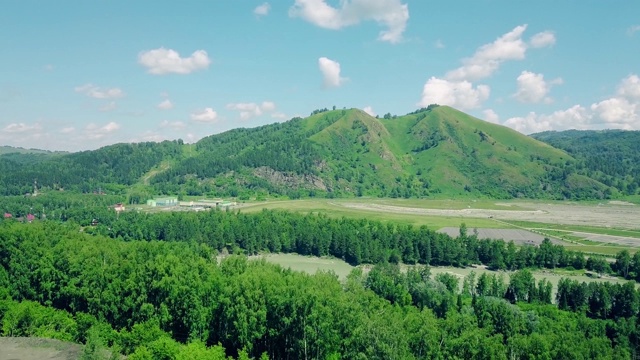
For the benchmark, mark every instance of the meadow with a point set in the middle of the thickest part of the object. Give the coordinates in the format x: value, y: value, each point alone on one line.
x: 590, y: 227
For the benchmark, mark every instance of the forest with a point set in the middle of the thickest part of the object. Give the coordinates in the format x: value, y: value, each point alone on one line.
x: 343, y: 153
x: 160, y: 286
x: 609, y: 156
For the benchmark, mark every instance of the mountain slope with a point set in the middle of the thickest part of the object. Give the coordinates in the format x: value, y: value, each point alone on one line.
x: 610, y: 156
x: 437, y: 151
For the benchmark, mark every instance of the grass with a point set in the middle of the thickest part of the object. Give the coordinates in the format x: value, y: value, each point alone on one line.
x: 576, y: 228
x: 332, y: 208
x: 311, y: 265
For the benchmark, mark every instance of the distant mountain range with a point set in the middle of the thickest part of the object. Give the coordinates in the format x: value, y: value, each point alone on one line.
x: 432, y: 152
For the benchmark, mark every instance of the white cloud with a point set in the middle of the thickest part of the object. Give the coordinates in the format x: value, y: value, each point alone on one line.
x: 48, y: 67
x: 439, y: 44
x: 633, y: 29
x: 491, y: 116
x: 575, y: 117
x: 262, y: 10
x: 99, y: 93
x: 330, y: 72
x: 208, y: 115
x: 616, y: 111
x: 369, y: 110
x: 24, y: 135
x: 175, y: 125
x: 14, y: 128
x: 67, y: 130
x: 279, y: 115
x: 150, y: 136
x: 95, y: 132
x: 108, y: 107
x: 488, y: 57
x: 459, y: 94
x: 532, y: 88
x: 630, y: 87
x: 166, y: 104
x: 620, y: 111
x: 249, y: 110
x: 392, y: 14
x: 543, y: 39
x: 165, y: 61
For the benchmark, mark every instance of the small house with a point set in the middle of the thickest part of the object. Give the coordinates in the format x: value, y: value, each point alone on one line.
x: 7, y: 216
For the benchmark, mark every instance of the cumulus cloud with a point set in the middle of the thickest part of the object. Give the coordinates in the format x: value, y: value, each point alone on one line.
x: 175, y: 125
x: 262, y: 10
x: 491, y: 116
x: 330, y: 72
x: 165, y: 61
x: 99, y: 93
x: 543, y: 39
x: 369, y: 110
x: 249, y: 110
x: 108, y: 107
x: 459, y: 94
x: 96, y: 132
x: 616, y: 111
x: 166, y: 104
x: 279, y: 115
x: 532, y: 88
x: 208, y: 115
x: 14, y: 128
x: 488, y: 57
x: 575, y: 117
x: 620, y: 111
x: 24, y: 135
x: 630, y: 87
x: 392, y: 14
x: 457, y: 88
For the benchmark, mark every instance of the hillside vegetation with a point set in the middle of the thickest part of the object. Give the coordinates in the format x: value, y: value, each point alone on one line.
x: 435, y: 151
x: 611, y: 156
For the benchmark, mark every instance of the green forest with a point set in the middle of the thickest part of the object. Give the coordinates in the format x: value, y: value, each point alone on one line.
x: 609, y: 156
x: 159, y: 286
x: 433, y: 152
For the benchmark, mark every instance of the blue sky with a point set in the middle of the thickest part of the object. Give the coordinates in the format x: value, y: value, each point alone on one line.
x: 77, y: 75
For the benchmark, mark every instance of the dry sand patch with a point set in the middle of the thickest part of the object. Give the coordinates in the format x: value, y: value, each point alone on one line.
x: 604, y: 215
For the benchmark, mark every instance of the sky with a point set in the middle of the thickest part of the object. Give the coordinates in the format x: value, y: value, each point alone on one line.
x: 77, y: 75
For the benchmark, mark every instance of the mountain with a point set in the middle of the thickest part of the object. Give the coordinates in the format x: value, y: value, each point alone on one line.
x: 437, y: 151
x: 434, y: 151
x: 609, y: 156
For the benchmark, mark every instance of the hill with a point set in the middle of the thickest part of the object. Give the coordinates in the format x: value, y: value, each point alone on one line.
x: 435, y: 151
x: 609, y: 156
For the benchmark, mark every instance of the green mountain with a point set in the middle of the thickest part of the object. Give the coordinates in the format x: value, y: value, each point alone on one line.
x: 435, y: 151
x: 609, y: 156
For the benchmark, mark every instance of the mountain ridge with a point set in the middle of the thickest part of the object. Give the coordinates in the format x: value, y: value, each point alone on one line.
x: 433, y: 152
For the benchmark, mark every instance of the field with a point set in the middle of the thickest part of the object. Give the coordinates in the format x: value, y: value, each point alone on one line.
x: 308, y: 264
x: 311, y: 265
x: 17, y: 348
x: 592, y: 227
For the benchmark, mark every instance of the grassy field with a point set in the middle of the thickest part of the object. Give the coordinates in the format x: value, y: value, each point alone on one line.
x: 308, y: 264
x: 311, y: 265
x: 484, y: 214
x: 332, y: 207
x: 578, y: 228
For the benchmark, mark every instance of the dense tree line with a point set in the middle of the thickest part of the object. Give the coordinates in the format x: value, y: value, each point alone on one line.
x: 109, y: 168
x: 611, y: 156
x: 170, y: 299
